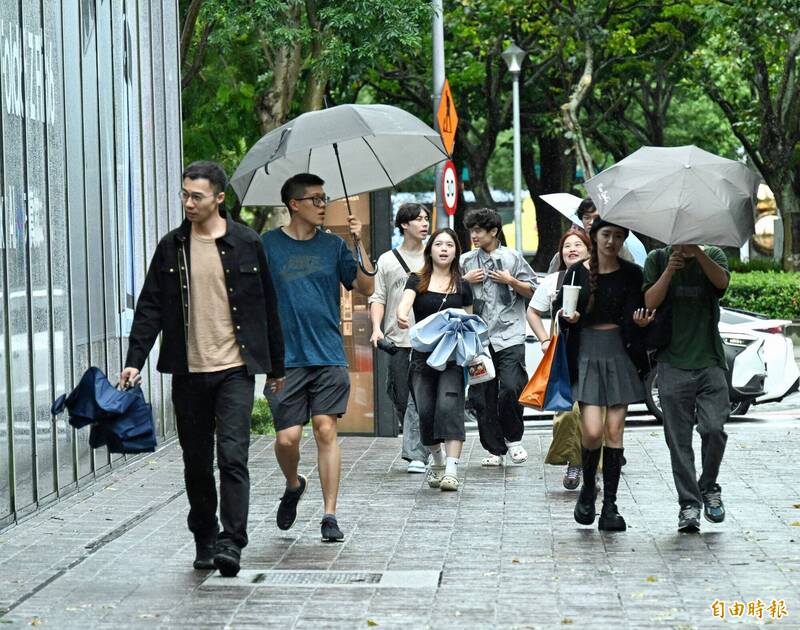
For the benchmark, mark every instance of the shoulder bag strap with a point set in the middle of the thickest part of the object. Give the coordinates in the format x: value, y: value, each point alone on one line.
x: 401, y: 261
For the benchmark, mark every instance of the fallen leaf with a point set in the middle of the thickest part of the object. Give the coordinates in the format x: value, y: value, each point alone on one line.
x: 372, y: 622
x: 566, y: 621
x: 796, y: 506
x: 36, y: 621
x: 795, y: 523
x: 516, y: 561
x: 652, y: 578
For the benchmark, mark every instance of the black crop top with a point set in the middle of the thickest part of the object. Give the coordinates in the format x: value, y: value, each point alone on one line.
x: 428, y: 303
x: 617, y: 294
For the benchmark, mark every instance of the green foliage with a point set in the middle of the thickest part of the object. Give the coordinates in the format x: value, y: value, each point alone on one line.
x: 754, y: 264
x: 261, y: 421
x: 776, y: 295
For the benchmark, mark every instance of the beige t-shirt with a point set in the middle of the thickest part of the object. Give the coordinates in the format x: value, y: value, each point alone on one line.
x: 212, y: 344
x: 389, y: 284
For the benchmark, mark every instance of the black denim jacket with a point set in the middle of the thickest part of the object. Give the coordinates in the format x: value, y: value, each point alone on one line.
x: 163, y: 304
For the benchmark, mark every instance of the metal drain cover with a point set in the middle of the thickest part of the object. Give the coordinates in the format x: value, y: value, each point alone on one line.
x: 328, y: 579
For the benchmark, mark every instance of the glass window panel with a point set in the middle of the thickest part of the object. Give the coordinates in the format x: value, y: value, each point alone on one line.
x: 78, y: 295
x: 38, y: 246
x: 56, y: 197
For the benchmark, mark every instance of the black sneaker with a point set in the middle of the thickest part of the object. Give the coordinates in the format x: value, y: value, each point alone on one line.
x: 330, y: 530
x: 204, y: 557
x: 287, y: 510
x: 713, y: 508
x: 226, y: 559
x: 689, y: 519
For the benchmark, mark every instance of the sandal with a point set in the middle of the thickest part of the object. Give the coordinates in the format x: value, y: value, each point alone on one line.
x: 448, y: 482
x: 434, y: 476
x: 517, y: 452
x: 492, y: 460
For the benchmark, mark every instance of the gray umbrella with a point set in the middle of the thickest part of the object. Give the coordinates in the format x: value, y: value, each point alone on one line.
x: 679, y: 195
x: 354, y: 148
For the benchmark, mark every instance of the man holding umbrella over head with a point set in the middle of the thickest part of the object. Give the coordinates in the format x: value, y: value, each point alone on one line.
x: 350, y: 149
x: 308, y: 266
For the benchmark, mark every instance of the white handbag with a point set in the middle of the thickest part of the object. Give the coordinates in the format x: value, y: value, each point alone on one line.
x: 481, y: 369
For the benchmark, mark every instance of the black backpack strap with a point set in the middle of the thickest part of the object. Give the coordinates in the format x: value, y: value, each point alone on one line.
x: 401, y: 261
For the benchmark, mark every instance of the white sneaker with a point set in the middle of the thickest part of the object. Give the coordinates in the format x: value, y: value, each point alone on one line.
x: 416, y: 467
x: 517, y: 452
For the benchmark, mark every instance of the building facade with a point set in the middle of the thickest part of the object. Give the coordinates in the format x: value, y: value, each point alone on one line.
x: 90, y: 162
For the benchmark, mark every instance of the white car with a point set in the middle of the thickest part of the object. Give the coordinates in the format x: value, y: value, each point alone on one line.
x: 761, y: 365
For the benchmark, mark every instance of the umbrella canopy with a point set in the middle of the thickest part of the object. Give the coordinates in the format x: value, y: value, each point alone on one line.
x: 679, y: 195
x: 378, y: 147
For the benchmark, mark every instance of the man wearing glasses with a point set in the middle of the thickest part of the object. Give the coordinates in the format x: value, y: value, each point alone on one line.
x: 209, y: 293
x: 308, y: 267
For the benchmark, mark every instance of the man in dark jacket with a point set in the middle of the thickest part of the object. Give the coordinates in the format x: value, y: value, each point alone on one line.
x: 209, y: 293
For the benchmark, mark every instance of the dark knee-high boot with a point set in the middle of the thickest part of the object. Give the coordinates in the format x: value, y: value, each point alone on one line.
x: 610, y: 518
x: 584, y: 508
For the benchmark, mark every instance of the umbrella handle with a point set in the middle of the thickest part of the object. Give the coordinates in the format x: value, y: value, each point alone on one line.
x: 356, y: 239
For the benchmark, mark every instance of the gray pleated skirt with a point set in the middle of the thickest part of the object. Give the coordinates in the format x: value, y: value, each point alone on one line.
x: 606, y: 374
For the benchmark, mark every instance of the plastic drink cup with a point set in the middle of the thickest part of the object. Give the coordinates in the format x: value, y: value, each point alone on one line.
x: 570, y: 299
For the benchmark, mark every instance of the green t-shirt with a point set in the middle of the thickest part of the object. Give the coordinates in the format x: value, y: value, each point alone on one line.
x: 695, y: 341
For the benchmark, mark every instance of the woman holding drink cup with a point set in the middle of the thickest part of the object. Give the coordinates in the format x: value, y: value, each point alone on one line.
x: 565, y: 448
x: 607, y: 358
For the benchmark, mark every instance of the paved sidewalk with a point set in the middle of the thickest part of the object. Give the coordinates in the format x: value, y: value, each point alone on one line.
x: 505, y: 549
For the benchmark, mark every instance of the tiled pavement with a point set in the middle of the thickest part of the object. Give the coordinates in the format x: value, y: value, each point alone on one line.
x: 117, y: 555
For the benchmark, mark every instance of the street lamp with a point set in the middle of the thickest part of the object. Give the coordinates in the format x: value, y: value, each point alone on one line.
x: 514, y: 56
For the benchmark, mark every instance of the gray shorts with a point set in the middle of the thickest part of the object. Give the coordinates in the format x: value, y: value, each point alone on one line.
x: 310, y: 391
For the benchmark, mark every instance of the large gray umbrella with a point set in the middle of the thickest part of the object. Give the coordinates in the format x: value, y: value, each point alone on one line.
x: 679, y: 195
x: 354, y: 148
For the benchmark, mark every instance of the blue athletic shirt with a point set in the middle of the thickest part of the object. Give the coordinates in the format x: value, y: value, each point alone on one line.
x: 307, y: 275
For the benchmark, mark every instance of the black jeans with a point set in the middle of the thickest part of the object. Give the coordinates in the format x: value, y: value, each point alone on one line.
x: 205, y: 403
x: 439, y: 397
x: 496, y: 403
x: 397, y: 385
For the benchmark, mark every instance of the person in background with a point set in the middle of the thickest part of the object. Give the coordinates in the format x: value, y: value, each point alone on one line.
x: 439, y: 396
x: 587, y: 213
x: 565, y: 448
x: 501, y: 282
x: 413, y: 221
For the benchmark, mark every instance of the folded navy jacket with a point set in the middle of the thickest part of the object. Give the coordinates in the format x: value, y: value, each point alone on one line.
x: 122, y: 420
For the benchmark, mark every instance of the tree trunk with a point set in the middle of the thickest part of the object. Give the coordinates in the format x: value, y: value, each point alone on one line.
x: 478, y: 183
x: 570, y: 112
x: 557, y: 175
x: 789, y: 208
x: 273, y: 104
x: 317, y: 82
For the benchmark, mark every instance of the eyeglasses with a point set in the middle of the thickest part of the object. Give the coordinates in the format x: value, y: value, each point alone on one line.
x: 196, y: 197
x: 317, y: 200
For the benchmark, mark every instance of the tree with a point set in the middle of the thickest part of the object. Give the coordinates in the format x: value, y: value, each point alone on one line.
x: 249, y: 65
x: 748, y: 67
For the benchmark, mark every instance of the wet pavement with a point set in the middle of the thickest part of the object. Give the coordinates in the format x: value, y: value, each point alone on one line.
x: 503, y: 552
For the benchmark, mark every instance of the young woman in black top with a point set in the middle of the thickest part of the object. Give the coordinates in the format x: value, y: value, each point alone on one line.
x: 606, y: 358
x: 439, y: 395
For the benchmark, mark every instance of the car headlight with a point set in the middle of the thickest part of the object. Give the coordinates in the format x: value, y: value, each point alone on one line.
x: 736, y: 341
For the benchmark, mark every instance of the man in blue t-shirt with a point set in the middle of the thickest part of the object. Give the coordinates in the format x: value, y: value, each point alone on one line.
x: 307, y: 265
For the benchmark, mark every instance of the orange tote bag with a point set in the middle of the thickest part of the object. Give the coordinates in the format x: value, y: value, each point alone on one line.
x: 535, y: 391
